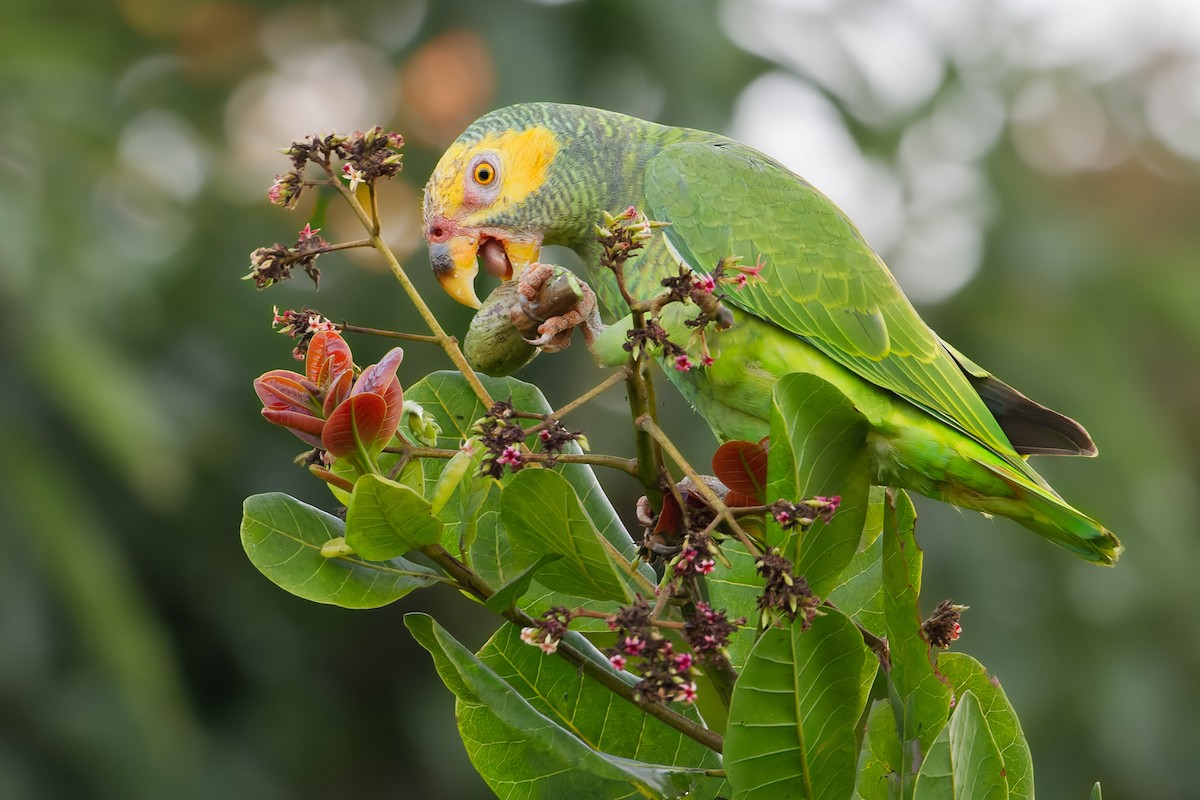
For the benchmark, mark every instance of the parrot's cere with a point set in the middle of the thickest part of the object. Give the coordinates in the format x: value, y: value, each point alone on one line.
x: 810, y: 295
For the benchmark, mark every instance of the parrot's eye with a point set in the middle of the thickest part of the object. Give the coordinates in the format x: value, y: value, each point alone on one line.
x: 484, y: 173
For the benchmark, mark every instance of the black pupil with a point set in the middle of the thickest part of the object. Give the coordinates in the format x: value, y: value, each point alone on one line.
x: 484, y: 174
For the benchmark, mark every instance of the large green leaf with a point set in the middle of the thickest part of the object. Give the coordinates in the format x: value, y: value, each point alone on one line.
x: 283, y: 539
x: 494, y: 559
x: 523, y: 752
x: 818, y: 447
x: 964, y: 762
x: 795, y: 707
x: 965, y: 674
x: 920, y: 699
x: 386, y: 519
x: 860, y: 594
x: 542, y: 514
x: 879, y: 759
x: 588, y: 710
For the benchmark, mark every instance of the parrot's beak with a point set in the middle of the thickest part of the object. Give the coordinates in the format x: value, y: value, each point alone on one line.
x: 456, y: 261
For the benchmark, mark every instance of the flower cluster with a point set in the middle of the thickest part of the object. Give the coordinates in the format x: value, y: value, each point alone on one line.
x: 301, y: 325
x: 548, y: 631
x: 501, y: 435
x: 806, y: 512
x: 327, y: 407
x: 621, y: 235
x: 943, y: 626
x: 272, y: 264
x: 367, y: 157
x: 666, y: 675
x: 554, y: 437
x: 697, y: 556
x: 707, y: 631
x: 785, y: 592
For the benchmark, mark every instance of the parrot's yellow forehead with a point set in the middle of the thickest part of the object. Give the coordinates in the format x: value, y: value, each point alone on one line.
x: 522, y: 160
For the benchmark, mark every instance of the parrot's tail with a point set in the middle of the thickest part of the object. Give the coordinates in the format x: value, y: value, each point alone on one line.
x: 1045, y: 513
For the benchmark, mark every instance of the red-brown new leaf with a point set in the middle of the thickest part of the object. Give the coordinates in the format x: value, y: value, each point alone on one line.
x: 360, y: 418
x: 742, y: 466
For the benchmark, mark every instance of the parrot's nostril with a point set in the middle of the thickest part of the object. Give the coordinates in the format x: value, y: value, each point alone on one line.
x: 436, y: 232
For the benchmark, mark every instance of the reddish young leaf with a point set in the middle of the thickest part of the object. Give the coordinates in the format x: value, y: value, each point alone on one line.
x: 378, y: 376
x: 736, y: 499
x: 328, y: 356
x: 670, y: 519
x: 393, y: 395
x: 337, y: 391
x: 283, y: 387
x: 360, y: 418
x: 742, y: 466
x: 304, y: 424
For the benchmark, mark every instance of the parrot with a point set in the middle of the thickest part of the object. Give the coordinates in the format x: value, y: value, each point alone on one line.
x: 537, y: 174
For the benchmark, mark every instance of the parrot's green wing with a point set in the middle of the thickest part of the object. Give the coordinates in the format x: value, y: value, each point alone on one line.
x: 823, y: 282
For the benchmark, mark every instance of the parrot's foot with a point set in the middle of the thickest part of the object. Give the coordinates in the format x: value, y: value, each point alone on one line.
x: 573, y: 305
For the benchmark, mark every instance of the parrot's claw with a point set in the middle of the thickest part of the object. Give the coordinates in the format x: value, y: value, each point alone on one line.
x: 555, y: 331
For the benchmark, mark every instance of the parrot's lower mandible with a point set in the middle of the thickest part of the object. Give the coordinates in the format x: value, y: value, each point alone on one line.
x: 822, y: 301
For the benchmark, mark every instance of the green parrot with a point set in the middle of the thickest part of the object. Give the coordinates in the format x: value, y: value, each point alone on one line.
x: 538, y: 174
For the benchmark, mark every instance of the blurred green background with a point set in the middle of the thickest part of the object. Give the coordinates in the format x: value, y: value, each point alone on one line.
x: 1029, y: 170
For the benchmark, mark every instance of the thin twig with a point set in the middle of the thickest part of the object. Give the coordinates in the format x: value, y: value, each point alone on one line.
x: 448, y: 343
x: 330, y: 248
x: 723, y: 511
x: 408, y: 337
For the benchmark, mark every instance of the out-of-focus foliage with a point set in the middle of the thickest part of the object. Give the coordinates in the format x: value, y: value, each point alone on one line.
x: 1029, y: 170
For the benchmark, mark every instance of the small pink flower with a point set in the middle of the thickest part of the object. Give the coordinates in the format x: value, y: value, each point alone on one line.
x: 307, y: 232
x: 683, y: 662
x: 705, y: 566
x: 275, y: 193
x: 682, y: 363
x: 707, y: 283
x: 510, y: 457
x: 687, y: 693
x: 957, y: 631
x: 783, y: 517
x: 548, y: 645
x: 529, y: 635
x: 618, y: 662
x: 633, y: 645
x: 707, y: 360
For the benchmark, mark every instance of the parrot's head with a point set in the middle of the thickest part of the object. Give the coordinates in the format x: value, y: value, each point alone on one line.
x: 489, y: 200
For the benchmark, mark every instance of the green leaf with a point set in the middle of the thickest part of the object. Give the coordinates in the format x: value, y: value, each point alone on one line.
x: 522, y: 752
x: 794, y: 711
x: 386, y: 519
x: 1096, y: 791
x: 921, y: 701
x: 964, y: 762
x: 449, y: 399
x: 283, y: 539
x: 578, y: 704
x: 818, y: 447
x: 879, y: 760
x: 965, y: 674
x: 507, y: 596
x: 860, y: 594
x: 411, y: 475
x: 494, y: 559
x: 542, y: 514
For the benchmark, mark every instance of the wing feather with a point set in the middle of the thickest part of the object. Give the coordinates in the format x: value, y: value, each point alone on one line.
x: 823, y: 282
